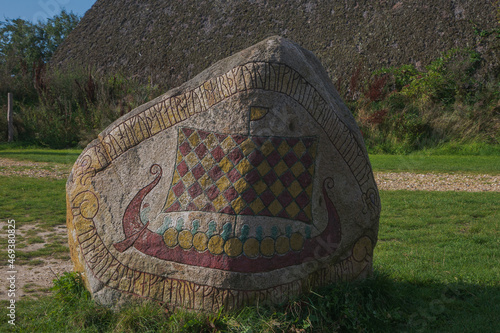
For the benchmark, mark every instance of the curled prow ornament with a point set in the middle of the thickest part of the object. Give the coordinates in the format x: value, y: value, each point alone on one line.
x: 132, y: 225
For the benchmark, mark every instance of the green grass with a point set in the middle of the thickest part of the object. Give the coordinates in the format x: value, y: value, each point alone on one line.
x: 39, y: 201
x: 35, y: 262
x: 436, y: 270
x: 29, y: 200
x: 447, y: 158
x: 443, y: 237
x: 35, y: 240
x: 435, y: 163
x: 457, y: 148
x: 63, y: 156
x: 48, y: 250
x: 442, y: 250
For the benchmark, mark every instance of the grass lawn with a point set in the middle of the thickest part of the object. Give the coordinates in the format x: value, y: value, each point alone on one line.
x: 436, y: 269
x: 436, y: 163
x: 64, y: 156
x: 436, y: 265
x: 33, y: 201
x: 29, y: 200
x: 441, y: 250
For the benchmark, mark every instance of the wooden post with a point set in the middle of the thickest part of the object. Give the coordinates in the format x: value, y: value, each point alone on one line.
x: 9, y: 117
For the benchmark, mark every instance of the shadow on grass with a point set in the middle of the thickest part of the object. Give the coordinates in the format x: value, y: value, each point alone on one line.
x: 378, y: 304
x: 439, y: 307
x: 383, y: 304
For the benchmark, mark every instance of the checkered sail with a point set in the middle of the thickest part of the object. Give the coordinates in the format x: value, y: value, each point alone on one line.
x: 243, y: 175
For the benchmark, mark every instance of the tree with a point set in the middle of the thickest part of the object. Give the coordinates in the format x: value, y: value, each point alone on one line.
x: 18, y: 45
x: 55, y: 31
x: 23, y: 44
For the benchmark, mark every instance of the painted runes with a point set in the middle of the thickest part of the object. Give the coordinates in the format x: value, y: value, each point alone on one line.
x: 243, y: 175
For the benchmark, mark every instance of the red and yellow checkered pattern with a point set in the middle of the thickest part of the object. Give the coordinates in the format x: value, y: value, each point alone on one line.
x: 243, y: 175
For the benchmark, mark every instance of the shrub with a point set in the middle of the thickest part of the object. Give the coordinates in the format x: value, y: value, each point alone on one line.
x: 69, y: 287
x: 403, y: 109
x: 71, y: 108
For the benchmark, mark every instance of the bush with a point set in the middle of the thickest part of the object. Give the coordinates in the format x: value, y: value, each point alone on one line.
x: 69, y: 287
x: 403, y: 109
x: 71, y: 108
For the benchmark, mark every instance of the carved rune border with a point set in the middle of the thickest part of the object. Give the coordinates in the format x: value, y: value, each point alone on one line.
x: 273, y: 77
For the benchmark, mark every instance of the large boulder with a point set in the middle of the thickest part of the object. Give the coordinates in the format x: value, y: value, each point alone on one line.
x: 248, y: 184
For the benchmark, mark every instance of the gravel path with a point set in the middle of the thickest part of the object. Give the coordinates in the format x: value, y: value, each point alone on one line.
x: 385, y: 180
x: 437, y: 182
x: 10, y: 167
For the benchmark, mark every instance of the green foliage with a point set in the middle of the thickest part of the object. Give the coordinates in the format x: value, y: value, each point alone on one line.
x: 399, y: 109
x: 486, y: 33
x: 52, y: 108
x: 444, y: 78
x: 403, y: 76
x: 453, y: 100
x: 55, y: 30
x: 39, y: 111
x: 23, y: 43
x: 19, y: 47
x: 71, y: 108
x: 69, y: 287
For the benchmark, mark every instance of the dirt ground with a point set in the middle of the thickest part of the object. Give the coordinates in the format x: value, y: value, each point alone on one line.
x: 36, y: 279
x: 33, y: 279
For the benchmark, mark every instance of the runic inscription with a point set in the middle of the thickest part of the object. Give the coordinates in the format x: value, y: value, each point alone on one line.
x: 268, y: 76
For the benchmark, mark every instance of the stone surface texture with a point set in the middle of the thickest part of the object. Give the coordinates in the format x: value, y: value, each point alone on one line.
x: 248, y: 184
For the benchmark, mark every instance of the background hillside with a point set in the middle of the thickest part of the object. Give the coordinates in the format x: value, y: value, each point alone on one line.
x: 416, y: 75
x: 168, y: 42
